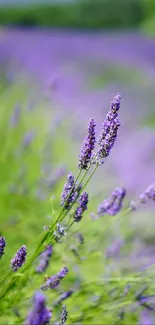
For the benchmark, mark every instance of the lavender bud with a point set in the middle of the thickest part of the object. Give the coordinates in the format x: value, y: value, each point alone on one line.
x: 44, y: 259
x: 54, y: 280
x: 19, y: 258
x: 40, y: 315
x: 83, y: 202
x: 64, y: 316
x: 64, y: 296
x: 88, y: 146
x: 143, y: 198
x: 69, y: 188
x: 109, y: 131
x: 112, y: 205
x: 2, y: 245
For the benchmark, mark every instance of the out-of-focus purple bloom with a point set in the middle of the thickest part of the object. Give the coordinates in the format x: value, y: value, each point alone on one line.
x: 40, y: 315
x: 15, y: 116
x: 28, y: 138
x: 54, y: 280
x: 88, y: 146
x: 69, y: 188
x: 83, y: 202
x: 59, y: 232
x: 2, y: 245
x: 149, y: 194
x: 145, y: 318
x: 112, y: 205
x: 59, y: 173
x: 114, y: 249
x: 64, y: 316
x: 44, y: 259
x: 64, y: 296
x: 109, y: 130
x: 19, y: 258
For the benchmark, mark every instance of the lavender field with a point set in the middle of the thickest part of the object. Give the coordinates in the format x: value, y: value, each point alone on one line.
x: 96, y: 234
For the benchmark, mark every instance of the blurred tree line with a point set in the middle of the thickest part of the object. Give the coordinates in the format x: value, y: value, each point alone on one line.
x: 81, y: 14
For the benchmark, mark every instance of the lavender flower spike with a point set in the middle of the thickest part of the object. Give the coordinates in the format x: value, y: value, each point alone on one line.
x: 83, y: 202
x: 54, y: 280
x: 69, y: 188
x: 149, y: 194
x: 109, y: 130
x: 44, y: 259
x: 19, y: 258
x: 64, y: 316
x: 112, y: 205
x: 40, y: 315
x: 88, y: 146
x: 2, y: 245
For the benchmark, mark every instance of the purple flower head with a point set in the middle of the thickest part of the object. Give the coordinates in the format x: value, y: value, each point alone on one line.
x: 69, y: 188
x: 83, y: 202
x: 40, y: 315
x: 88, y: 146
x: 145, y: 318
x: 44, y: 259
x: 54, y: 280
x: 64, y: 316
x: 109, y: 130
x: 149, y: 194
x: 2, y: 245
x: 64, y: 296
x: 19, y: 258
x: 15, y: 116
x: 113, y: 204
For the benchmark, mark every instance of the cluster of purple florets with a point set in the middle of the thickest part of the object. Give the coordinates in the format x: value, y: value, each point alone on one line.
x: 54, y: 280
x: 112, y: 205
x: 88, y: 146
x: 2, y: 245
x: 83, y: 202
x: 44, y: 259
x: 68, y: 193
x: 19, y: 258
x: 40, y: 315
x: 109, y: 130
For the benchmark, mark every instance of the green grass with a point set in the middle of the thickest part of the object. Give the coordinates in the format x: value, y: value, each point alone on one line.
x: 97, y: 298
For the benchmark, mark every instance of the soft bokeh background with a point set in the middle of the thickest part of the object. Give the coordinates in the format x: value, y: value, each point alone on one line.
x: 61, y: 62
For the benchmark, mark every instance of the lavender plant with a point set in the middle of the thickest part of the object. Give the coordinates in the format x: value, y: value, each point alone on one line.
x: 73, y: 204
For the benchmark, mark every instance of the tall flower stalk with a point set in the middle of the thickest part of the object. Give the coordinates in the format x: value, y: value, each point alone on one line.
x: 73, y: 189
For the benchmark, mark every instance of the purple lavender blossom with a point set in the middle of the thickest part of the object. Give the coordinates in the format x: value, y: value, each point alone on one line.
x: 109, y: 130
x: 15, y: 116
x: 69, y: 188
x: 2, y: 245
x: 83, y: 202
x: 145, y: 318
x: 114, y: 204
x: 19, y: 258
x: 149, y: 194
x: 64, y: 316
x: 44, y: 259
x: 54, y: 280
x: 88, y: 146
x: 40, y: 315
x: 64, y: 296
